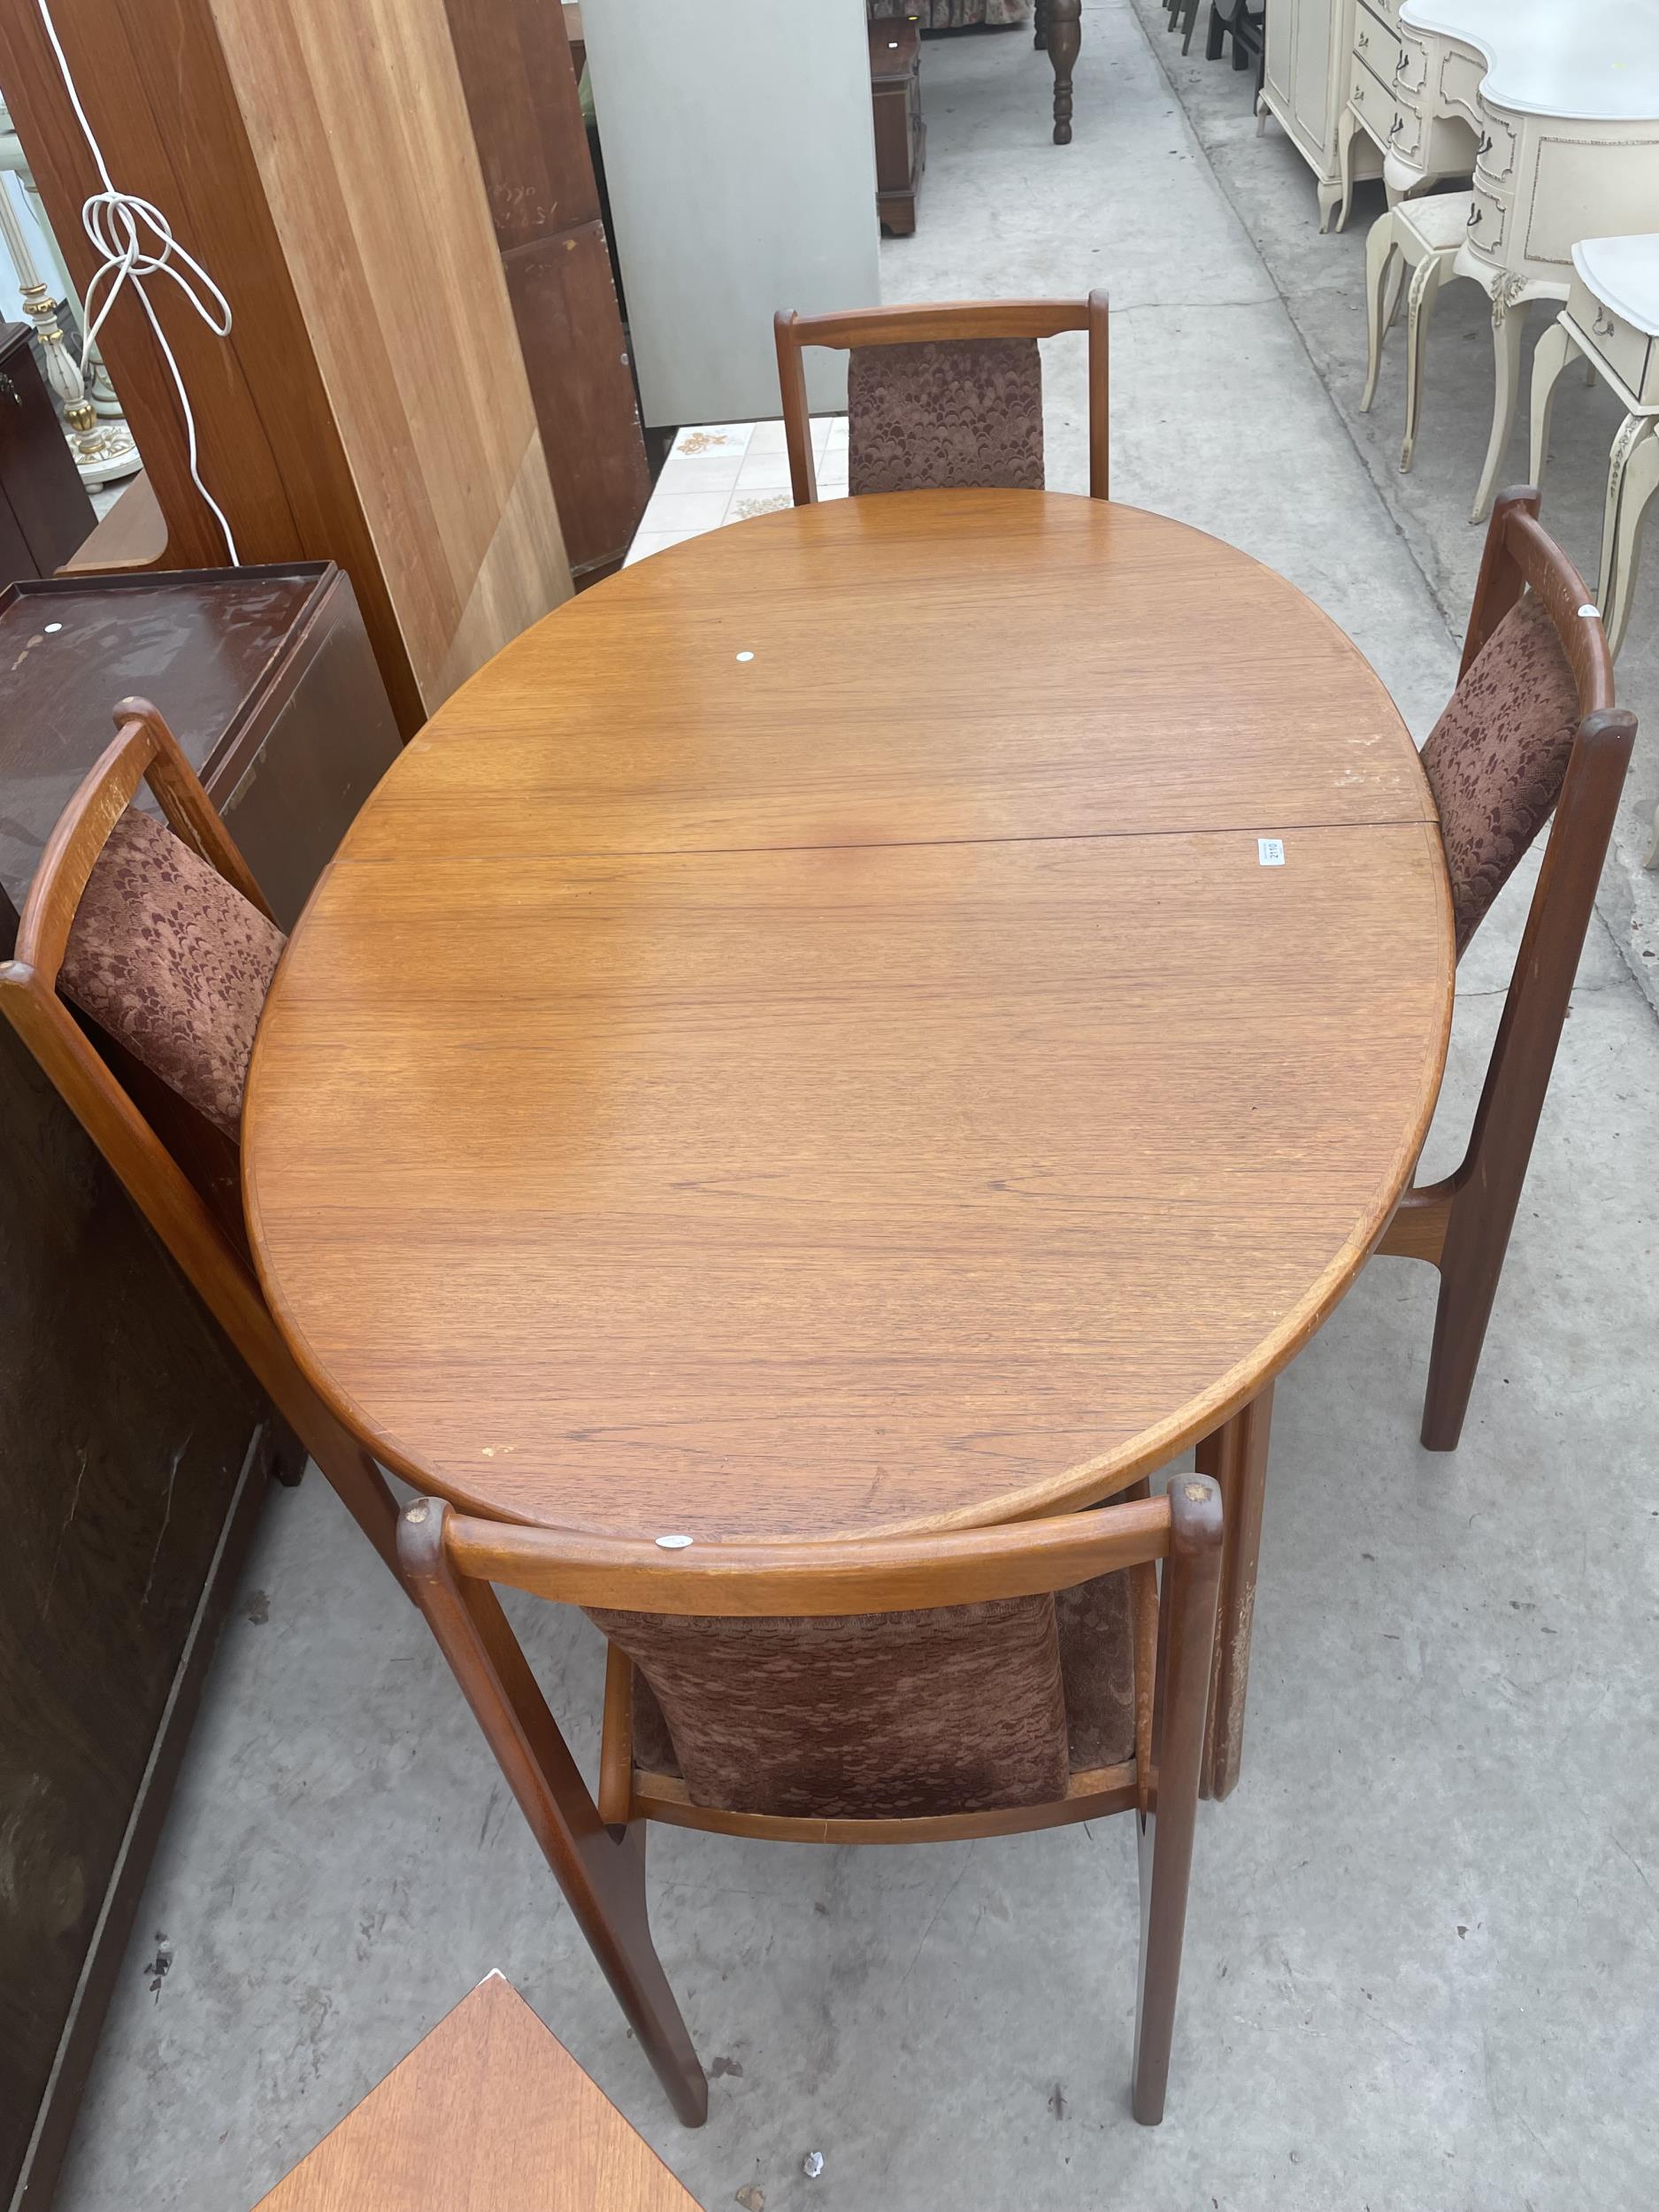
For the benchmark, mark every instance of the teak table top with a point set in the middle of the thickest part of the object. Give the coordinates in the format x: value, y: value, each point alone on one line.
x: 878, y: 1084
x: 490, y: 2113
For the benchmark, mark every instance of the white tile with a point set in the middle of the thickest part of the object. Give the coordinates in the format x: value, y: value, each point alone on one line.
x: 648, y: 542
x: 768, y: 438
x: 764, y: 473
x: 686, y: 511
x: 699, y: 472
x: 838, y: 435
x: 832, y: 491
x: 833, y: 469
x: 822, y: 425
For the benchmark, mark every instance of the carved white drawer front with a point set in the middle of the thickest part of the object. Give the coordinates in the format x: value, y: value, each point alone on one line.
x: 1389, y: 10
x: 1461, y: 73
x: 1394, y: 127
x: 1375, y: 43
x: 1495, y: 154
x: 1411, y: 71
x: 1487, y: 219
x: 1614, y: 301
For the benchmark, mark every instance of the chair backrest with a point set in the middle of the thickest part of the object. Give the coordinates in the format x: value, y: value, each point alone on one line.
x: 942, y: 397
x: 197, y: 1215
x: 156, y: 930
x: 1534, y: 698
x: 882, y: 1678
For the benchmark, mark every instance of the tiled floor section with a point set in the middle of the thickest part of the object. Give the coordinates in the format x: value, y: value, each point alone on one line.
x: 724, y: 472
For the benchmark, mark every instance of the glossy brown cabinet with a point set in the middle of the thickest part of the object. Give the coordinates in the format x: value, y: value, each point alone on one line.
x: 133, y: 1448
x: 44, y: 510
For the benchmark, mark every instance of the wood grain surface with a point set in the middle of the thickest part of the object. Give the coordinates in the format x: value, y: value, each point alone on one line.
x: 490, y: 2113
x: 822, y: 1110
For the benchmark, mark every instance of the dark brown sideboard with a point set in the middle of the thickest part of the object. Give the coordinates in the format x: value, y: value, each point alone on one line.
x: 134, y: 1448
x: 44, y: 510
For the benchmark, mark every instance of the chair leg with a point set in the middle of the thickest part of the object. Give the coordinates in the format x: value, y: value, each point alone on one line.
x: 1236, y: 1456
x: 1039, y: 24
x: 1425, y: 282
x: 602, y: 1873
x: 1215, y: 34
x: 1066, y: 40
x: 1187, y: 1635
x: 1509, y: 322
x: 1381, y: 254
x: 1554, y: 352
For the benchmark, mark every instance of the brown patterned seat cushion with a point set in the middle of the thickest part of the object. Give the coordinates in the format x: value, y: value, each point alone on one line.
x: 1496, y: 757
x: 885, y: 1715
x: 951, y: 415
x: 173, y: 962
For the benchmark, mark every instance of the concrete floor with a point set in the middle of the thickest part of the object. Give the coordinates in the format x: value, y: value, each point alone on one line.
x: 1423, y: 1943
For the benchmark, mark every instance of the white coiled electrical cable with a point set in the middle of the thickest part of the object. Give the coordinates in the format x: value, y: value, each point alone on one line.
x: 134, y: 242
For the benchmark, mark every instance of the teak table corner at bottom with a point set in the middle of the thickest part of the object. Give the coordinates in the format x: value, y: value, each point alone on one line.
x: 489, y: 2113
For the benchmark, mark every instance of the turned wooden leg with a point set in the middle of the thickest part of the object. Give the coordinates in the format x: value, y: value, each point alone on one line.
x: 1039, y: 24
x: 1554, y: 352
x: 1236, y: 1456
x: 1187, y: 1633
x: 1065, y: 39
x: 602, y: 1873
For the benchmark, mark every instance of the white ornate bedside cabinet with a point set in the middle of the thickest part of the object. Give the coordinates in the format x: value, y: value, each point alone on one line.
x: 1564, y: 94
x: 1611, y: 320
x: 1306, y: 64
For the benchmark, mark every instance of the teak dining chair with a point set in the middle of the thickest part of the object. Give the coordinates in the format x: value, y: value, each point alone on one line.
x: 1532, y: 727
x: 946, y: 398
x: 160, y: 936
x: 908, y: 1690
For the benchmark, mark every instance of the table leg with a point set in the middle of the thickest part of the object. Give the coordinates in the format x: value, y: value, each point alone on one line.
x: 1065, y: 39
x: 1236, y: 1455
x: 1632, y: 477
x: 1425, y: 282
x: 1509, y: 321
x: 1555, y: 352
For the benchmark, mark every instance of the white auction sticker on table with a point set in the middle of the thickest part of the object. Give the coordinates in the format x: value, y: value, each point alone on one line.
x: 1271, y: 851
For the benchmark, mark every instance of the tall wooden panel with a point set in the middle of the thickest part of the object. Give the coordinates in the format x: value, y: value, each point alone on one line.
x: 370, y: 404
x: 514, y: 62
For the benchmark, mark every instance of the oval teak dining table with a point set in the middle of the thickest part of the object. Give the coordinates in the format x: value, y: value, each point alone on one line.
x: 896, y: 1014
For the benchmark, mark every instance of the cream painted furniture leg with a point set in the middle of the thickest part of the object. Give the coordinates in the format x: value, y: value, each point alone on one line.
x: 1632, y: 477
x: 1425, y: 282
x: 1384, y: 265
x: 1339, y: 195
x: 1556, y: 350
x: 1509, y: 322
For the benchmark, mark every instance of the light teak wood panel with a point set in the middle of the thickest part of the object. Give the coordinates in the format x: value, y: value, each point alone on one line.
x: 953, y: 664
x: 489, y: 2113
x: 360, y: 132
x: 832, y: 1190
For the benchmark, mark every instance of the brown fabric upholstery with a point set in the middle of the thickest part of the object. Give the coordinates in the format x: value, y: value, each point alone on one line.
x: 948, y: 415
x: 885, y: 1715
x: 1496, y: 757
x: 173, y: 962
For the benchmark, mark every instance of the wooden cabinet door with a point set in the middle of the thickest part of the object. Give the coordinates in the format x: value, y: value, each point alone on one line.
x: 128, y: 1438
